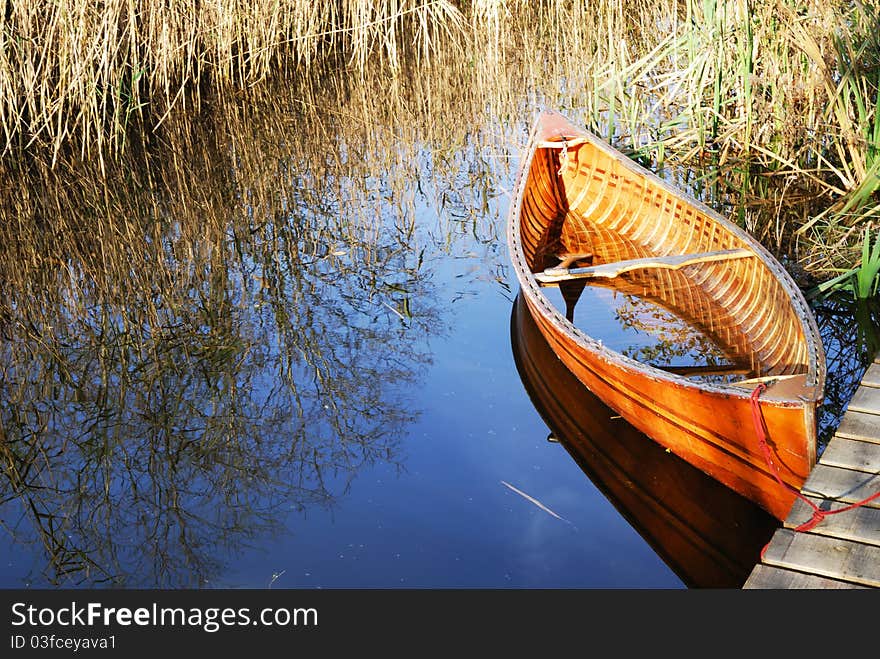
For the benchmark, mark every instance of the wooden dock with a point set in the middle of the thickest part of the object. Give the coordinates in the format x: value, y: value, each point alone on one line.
x: 843, y: 550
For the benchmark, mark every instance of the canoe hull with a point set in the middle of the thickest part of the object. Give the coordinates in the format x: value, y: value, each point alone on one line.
x: 709, y: 535
x: 710, y: 430
x: 573, y: 193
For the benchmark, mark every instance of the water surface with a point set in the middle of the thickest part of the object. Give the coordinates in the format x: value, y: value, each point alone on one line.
x: 275, y: 363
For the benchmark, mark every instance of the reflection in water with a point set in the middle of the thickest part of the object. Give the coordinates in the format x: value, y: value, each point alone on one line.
x: 196, y: 349
x: 851, y: 337
x: 705, y: 532
x: 708, y: 535
x: 643, y: 329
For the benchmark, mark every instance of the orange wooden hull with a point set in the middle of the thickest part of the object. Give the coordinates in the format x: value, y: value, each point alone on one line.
x: 709, y: 535
x: 576, y: 194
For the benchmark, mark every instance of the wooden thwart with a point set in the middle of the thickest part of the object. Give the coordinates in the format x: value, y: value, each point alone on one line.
x: 610, y: 270
x: 717, y: 369
x: 766, y: 379
x: 568, y: 260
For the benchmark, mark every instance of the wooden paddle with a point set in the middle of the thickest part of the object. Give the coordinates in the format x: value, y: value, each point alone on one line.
x: 610, y: 270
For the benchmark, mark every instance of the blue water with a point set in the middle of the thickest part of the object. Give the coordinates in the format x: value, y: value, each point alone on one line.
x: 370, y: 430
x: 444, y: 518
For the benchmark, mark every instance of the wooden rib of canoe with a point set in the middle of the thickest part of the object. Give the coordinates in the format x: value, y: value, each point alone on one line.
x: 709, y: 535
x: 583, y: 212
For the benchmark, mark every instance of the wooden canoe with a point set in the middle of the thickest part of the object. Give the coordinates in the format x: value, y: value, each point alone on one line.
x: 709, y: 535
x: 582, y: 212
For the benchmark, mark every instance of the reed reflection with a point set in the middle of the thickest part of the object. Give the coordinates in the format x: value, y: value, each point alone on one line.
x: 213, y: 335
x: 850, y: 331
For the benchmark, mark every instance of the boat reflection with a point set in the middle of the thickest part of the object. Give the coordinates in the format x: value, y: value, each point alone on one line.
x: 707, y: 534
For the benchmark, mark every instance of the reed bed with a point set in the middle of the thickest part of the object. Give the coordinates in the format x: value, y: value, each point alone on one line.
x: 769, y: 109
x: 769, y: 106
x: 84, y: 73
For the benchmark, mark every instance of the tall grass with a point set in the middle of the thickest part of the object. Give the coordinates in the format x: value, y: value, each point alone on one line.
x: 862, y: 281
x: 79, y: 72
x: 781, y: 98
x: 771, y: 104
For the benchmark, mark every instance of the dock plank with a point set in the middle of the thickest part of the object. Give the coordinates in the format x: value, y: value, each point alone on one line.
x: 866, y: 399
x: 852, y: 454
x: 767, y: 577
x: 824, y: 556
x: 841, y: 485
x: 860, y: 425
x: 843, y: 549
x: 860, y: 524
x: 871, y: 378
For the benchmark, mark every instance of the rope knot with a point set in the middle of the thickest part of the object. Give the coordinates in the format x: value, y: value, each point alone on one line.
x: 815, y: 519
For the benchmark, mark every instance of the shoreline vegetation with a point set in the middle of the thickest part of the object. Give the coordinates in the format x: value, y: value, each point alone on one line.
x: 768, y: 109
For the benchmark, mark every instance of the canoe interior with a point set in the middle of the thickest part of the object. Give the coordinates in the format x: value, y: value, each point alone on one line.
x: 582, y: 198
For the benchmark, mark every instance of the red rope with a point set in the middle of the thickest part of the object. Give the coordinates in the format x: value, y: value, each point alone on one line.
x: 761, y: 431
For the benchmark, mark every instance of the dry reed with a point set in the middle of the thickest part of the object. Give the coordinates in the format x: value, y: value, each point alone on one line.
x: 773, y: 104
x: 83, y: 73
